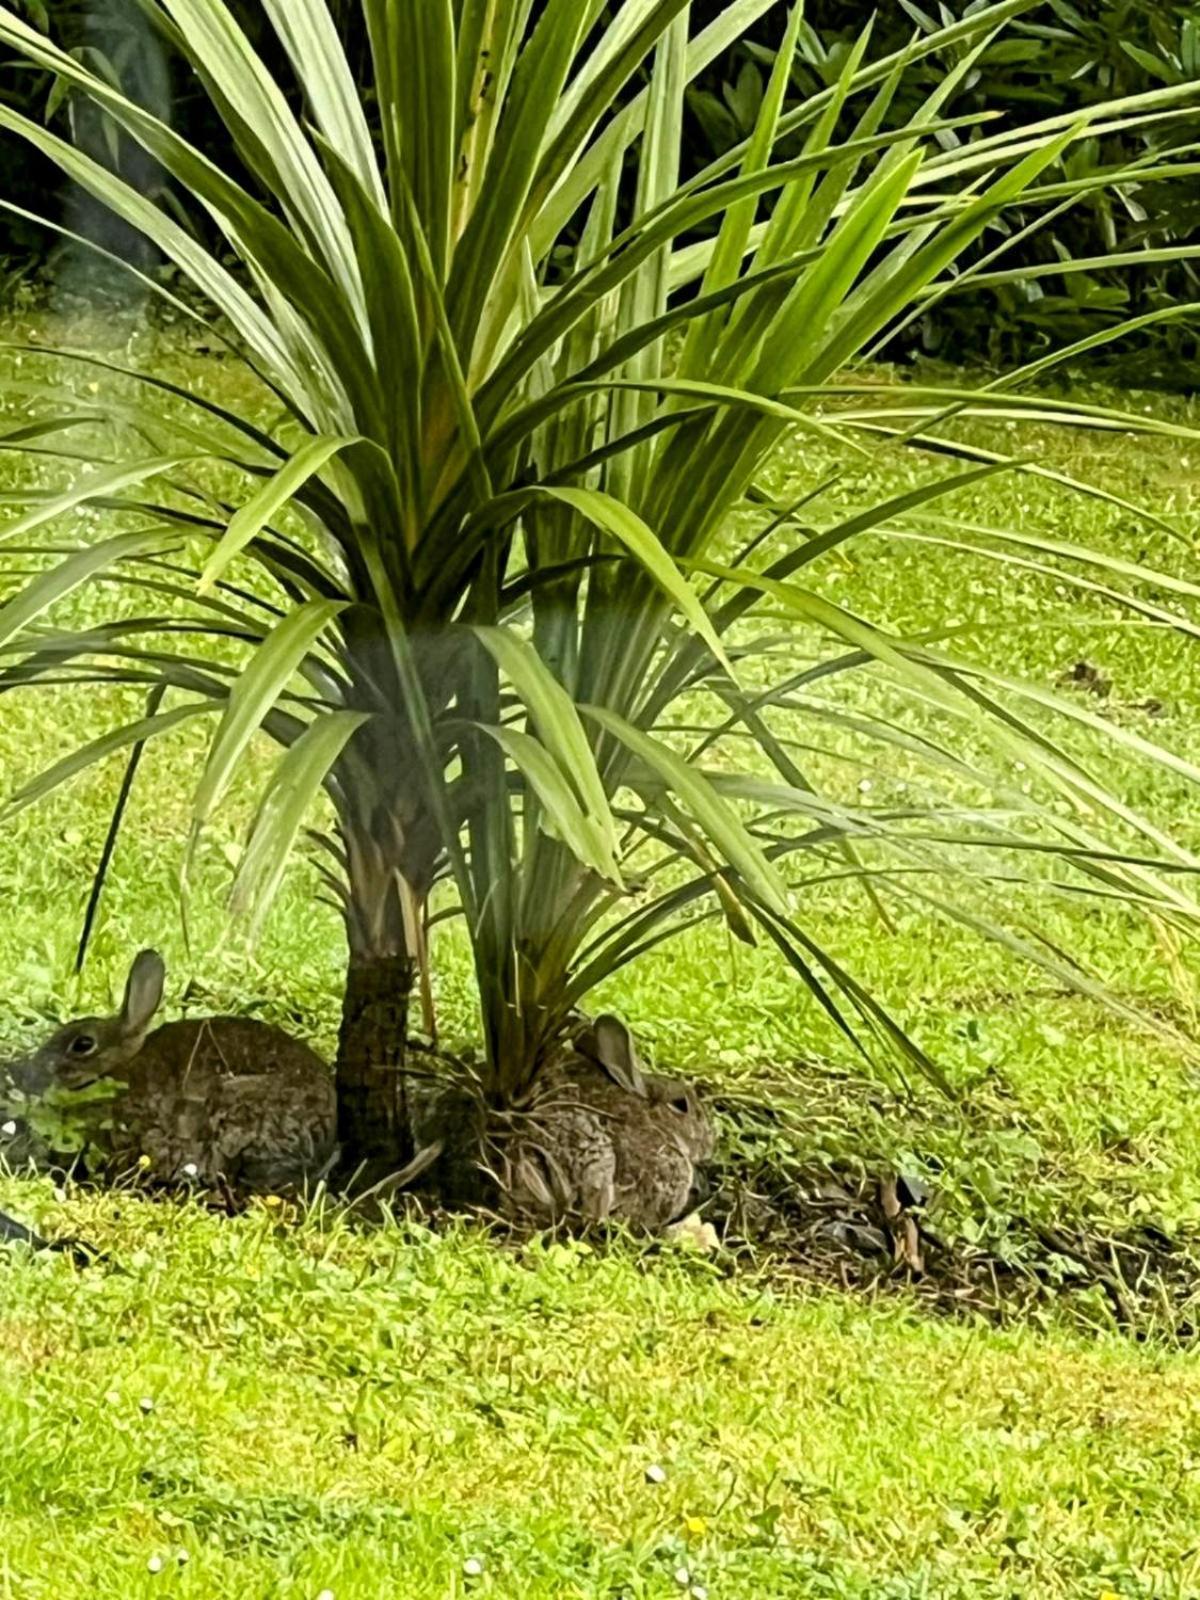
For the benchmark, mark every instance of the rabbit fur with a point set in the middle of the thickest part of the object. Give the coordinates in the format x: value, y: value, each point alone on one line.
x: 602, y: 1140
x: 211, y: 1101
x: 598, y: 1139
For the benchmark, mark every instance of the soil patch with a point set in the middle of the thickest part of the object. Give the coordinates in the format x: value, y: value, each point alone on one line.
x: 873, y: 1227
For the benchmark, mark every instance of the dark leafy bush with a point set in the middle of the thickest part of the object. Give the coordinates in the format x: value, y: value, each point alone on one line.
x: 1058, y: 55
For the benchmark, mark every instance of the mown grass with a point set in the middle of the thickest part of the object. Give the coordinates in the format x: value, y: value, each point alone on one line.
x: 364, y: 1413
x: 367, y: 1414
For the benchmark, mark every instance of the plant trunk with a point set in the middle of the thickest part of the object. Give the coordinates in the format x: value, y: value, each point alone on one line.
x: 373, y: 1122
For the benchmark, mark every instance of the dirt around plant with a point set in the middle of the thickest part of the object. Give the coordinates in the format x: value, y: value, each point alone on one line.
x: 862, y: 1224
x: 843, y: 1230
x: 930, y: 1229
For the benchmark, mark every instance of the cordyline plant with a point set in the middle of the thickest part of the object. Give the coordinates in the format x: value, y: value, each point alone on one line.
x: 471, y: 579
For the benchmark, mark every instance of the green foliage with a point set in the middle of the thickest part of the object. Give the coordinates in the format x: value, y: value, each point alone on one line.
x: 491, y: 422
x: 1091, y: 53
x: 1057, y: 51
x: 66, y: 1123
x: 112, y: 37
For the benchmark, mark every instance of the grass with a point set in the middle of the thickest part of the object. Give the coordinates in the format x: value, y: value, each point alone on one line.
x: 364, y: 1413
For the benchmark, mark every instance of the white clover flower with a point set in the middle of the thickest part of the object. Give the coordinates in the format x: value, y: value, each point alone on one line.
x: 682, y: 1577
x: 473, y: 1567
x: 8, y: 1129
x: 155, y: 1564
x: 655, y: 1473
x: 146, y: 1405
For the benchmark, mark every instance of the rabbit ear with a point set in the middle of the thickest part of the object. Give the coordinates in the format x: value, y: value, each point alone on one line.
x: 143, y: 993
x: 617, y: 1054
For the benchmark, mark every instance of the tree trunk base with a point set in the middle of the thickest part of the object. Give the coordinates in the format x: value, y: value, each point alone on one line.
x: 373, y: 1120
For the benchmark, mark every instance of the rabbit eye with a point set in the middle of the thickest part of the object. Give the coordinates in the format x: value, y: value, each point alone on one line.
x: 83, y: 1045
x: 681, y: 1104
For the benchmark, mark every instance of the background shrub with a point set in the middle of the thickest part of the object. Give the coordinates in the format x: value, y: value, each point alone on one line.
x: 1106, y: 49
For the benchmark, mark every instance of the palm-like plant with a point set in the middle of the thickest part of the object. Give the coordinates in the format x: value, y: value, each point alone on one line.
x: 523, y: 387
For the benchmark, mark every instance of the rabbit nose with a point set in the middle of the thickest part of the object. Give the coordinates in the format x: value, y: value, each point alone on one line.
x: 28, y: 1076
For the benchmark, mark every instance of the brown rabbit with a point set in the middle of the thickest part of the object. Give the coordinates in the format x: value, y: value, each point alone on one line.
x: 602, y: 1140
x: 220, y: 1099
x: 598, y: 1139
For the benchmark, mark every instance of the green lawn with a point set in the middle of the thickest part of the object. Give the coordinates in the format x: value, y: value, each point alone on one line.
x: 364, y: 1412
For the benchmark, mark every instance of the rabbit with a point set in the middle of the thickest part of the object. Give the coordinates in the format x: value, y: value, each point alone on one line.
x: 602, y: 1140
x: 597, y: 1139
x: 213, y: 1101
